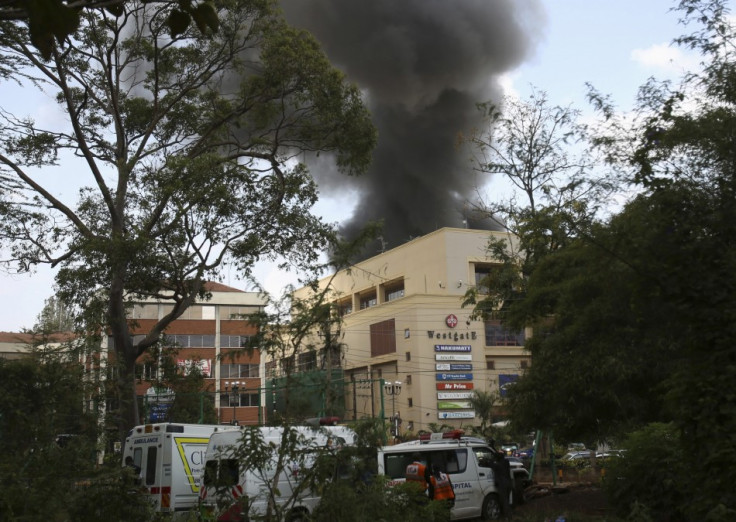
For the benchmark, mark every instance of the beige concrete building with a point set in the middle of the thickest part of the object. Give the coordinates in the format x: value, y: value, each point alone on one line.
x: 403, y: 322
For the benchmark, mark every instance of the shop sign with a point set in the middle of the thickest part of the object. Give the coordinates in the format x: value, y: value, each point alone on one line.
x: 453, y: 405
x: 453, y: 357
x: 455, y: 414
x: 454, y: 385
x: 454, y: 376
x: 444, y: 367
x: 454, y: 395
x: 452, y: 347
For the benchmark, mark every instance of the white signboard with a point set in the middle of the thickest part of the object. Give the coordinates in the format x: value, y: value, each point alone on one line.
x: 455, y: 414
x: 454, y: 395
x: 453, y: 357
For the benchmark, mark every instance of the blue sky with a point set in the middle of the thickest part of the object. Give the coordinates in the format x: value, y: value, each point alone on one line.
x: 615, y: 45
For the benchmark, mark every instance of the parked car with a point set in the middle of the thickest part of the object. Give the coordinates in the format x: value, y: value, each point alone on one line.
x: 576, y: 457
x: 609, y: 454
x: 525, y: 453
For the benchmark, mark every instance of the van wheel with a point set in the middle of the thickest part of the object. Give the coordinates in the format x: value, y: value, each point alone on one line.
x: 491, y: 508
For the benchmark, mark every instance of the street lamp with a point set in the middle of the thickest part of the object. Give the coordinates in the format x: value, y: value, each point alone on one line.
x: 232, y: 388
x: 393, y: 389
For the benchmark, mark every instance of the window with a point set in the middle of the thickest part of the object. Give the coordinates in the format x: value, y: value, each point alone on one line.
x: 227, y: 476
x: 498, y: 335
x: 410, y: 402
x: 408, y: 356
x: 483, y: 275
x: 345, y: 307
x: 393, y: 290
x: 151, y: 466
x: 232, y: 371
x: 307, y: 361
x: 383, y: 337
x: 189, y: 341
x: 490, y: 364
x: 408, y: 379
x: 147, y: 372
x: 228, y: 400
x: 271, y: 369
x: 450, y: 461
x: 368, y: 300
x: 233, y: 341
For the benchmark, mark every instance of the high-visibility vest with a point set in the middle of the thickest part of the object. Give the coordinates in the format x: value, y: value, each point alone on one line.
x: 442, y: 487
x: 417, y: 472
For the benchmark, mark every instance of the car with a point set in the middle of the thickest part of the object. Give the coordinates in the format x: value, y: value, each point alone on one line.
x: 609, y: 454
x: 576, y: 456
x: 525, y: 453
x: 509, y: 448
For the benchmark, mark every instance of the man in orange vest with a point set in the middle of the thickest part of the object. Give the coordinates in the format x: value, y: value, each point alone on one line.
x: 440, y: 487
x: 417, y: 472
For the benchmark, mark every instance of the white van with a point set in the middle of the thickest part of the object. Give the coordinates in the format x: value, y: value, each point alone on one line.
x: 466, y: 460
x: 169, y: 459
x: 235, y: 489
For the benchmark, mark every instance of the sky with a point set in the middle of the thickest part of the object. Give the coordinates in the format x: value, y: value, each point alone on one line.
x: 614, y: 45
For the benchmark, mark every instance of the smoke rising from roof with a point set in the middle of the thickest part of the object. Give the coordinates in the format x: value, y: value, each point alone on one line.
x: 423, y: 65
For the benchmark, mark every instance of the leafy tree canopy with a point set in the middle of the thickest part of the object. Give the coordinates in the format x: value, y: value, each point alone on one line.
x: 188, y: 145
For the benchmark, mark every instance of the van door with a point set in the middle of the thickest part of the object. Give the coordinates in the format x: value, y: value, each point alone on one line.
x: 483, y: 459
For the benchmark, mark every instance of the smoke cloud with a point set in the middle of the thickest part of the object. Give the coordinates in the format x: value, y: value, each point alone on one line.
x: 423, y: 65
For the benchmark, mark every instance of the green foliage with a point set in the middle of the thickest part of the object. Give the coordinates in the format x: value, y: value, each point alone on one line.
x: 51, y: 22
x: 186, y: 141
x: 649, y: 478
x: 49, y: 443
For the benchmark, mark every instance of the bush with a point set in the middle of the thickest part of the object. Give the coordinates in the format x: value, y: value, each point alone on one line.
x: 649, y: 482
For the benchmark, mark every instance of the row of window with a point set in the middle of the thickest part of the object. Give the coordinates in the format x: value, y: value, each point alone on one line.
x: 228, y: 400
x: 194, y: 341
x: 204, y: 312
x: 149, y: 372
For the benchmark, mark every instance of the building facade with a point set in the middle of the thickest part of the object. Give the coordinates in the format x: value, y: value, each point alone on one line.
x: 209, y: 335
x: 410, y: 350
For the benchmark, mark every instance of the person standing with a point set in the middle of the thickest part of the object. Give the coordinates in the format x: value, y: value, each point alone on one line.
x: 502, y: 475
x: 417, y: 472
x: 440, y: 488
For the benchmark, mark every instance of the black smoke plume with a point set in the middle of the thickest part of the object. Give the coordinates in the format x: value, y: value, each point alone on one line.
x: 423, y: 64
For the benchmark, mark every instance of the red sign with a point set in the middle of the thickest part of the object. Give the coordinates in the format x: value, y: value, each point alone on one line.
x: 454, y: 386
x: 451, y: 320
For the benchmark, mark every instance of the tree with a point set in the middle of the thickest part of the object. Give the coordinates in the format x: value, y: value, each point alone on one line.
x: 543, y: 152
x: 56, y: 316
x: 639, y: 312
x: 48, y: 437
x: 53, y: 21
x: 189, y: 143
x: 482, y: 402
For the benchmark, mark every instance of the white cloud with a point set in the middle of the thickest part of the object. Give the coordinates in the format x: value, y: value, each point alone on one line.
x: 665, y: 58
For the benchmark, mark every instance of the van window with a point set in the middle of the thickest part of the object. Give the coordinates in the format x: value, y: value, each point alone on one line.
x: 138, y: 457
x: 485, y: 456
x: 450, y: 461
x: 151, y: 466
x: 228, y: 473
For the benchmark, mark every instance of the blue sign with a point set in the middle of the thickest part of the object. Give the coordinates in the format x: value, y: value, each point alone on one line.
x: 159, y: 412
x: 451, y: 348
x: 463, y: 367
x: 454, y: 376
x: 506, y: 381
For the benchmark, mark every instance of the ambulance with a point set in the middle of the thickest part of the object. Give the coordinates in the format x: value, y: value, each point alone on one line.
x: 235, y: 489
x: 467, y: 461
x: 169, y: 459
